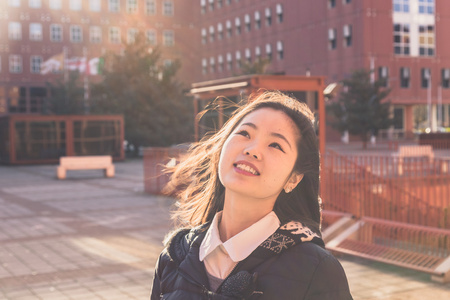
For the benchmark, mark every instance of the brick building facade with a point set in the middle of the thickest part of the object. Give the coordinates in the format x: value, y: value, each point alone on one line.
x: 33, y: 31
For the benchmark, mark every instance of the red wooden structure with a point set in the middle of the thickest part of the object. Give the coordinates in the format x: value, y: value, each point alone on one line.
x: 308, y: 89
x: 34, y: 139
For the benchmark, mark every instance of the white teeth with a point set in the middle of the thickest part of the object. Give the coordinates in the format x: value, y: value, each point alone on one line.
x: 247, y: 169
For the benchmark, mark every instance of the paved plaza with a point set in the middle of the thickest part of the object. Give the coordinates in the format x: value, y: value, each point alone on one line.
x: 89, y: 237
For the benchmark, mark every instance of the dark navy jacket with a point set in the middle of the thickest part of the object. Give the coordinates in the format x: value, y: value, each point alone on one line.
x: 287, y: 265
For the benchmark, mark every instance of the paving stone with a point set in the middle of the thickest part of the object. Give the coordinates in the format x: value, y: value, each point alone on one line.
x: 89, y: 237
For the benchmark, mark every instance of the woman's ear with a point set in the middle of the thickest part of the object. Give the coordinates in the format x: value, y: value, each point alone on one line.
x: 292, y: 182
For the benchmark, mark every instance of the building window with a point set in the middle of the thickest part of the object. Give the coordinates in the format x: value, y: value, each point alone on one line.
x: 398, y: 118
x: 238, y: 59
x: 56, y: 33
x: 35, y: 64
x: 34, y: 3
x: 35, y: 32
x: 114, y: 35
x: 150, y: 7
x: 15, y: 31
x: 211, y: 5
x: 229, y: 30
x: 220, y: 63
x: 268, y: 16
x: 95, y: 5
x: 257, y: 20
x: 14, y: 3
x: 204, y: 66
x: 401, y: 39
x: 331, y: 3
x: 229, y: 61
x: 248, y: 55
x: 95, y: 34
x: 15, y: 63
x: 75, y: 4
x: 280, y: 13
x: 132, y: 6
x: 269, y: 51
x: 332, y: 38
x: 131, y: 35
x: 168, y: 8
x: 258, y: 52
x: 168, y: 38
x: 55, y: 4
x: 203, y: 6
x: 401, y: 6
x: 347, y: 32
x: 426, y: 7
x: 347, y: 1
x: 76, y: 34
x: 212, y: 64
x: 404, y: 77
x: 248, y: 25
x: 204, y: 36
x: 219, y: 3
x: 426, y: 40
x: 211, y: 33
x: 151, y: 37
x: 237, y: 23
x: 280, y: 50
x: 219, y: 31
x: 383, y: 75
x: 425, y: 77
x: 114, y: 5
x: 445, y: 78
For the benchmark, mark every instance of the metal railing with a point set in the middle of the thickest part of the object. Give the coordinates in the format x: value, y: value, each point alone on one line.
x: 372, y: 186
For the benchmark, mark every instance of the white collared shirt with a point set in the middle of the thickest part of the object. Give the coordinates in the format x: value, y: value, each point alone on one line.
x: 220, y: 258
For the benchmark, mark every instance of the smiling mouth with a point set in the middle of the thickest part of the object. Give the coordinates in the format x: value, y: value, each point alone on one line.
x: 246, y: 168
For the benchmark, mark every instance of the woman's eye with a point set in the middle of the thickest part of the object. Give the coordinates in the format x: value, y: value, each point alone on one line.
x: 243, y: 133
x: 276, y: 146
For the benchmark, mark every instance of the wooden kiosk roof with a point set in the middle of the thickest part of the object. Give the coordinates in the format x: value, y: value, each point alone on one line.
x: 247, y: 84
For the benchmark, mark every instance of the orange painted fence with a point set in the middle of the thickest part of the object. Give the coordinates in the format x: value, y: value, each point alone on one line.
x: 374, y: 186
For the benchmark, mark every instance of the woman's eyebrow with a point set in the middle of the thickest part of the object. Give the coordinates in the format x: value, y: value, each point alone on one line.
x: 275, y: 134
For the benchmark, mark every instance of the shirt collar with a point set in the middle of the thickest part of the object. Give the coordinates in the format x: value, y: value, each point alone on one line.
x: 242, y: 244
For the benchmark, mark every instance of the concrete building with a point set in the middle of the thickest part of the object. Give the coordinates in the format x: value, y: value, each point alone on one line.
x: 402, y: 40
x: 36, y: 32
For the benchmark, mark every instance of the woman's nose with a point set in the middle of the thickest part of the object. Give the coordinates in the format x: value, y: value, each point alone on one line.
x: 253, y: 151
x: 251, y: 154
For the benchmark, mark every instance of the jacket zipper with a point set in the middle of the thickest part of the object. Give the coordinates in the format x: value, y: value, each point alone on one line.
x: 205, y: 290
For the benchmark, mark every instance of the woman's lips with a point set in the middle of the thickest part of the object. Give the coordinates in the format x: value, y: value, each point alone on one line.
x: 244, y: 167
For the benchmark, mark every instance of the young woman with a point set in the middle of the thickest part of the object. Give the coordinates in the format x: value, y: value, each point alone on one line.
x: 249, y: 196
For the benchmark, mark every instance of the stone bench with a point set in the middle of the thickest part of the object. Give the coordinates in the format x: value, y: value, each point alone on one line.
x: 102, y: 162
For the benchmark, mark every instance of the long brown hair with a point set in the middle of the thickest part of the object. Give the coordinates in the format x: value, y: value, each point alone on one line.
x: 195, y: 181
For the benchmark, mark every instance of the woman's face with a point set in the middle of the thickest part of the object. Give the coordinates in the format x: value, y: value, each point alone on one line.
x: 258, y: 157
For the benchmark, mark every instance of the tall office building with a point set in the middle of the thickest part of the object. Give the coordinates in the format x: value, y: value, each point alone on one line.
x: 401, y: 40
x: 37, y: 36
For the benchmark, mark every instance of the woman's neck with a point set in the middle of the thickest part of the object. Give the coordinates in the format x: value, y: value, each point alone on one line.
x: 240, y: 213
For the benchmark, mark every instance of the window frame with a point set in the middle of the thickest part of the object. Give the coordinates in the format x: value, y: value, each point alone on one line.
x: 14, y: 31
x: 32, y: 32
x: 168, y: 9
x: 12, y: 63
x: 168, y: 38
x: 95, y: 34
x: 76, y: 34
x: 35, y: 69
x: 114, y: 6
x: 76, y: 5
